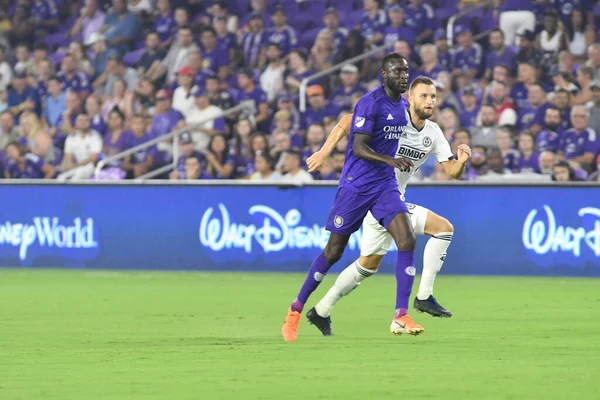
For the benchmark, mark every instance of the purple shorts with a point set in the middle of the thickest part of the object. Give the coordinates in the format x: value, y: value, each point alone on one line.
x: 350, y: 208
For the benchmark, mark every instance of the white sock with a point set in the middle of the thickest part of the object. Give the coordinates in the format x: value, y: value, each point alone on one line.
x: 348, y: 280
x: 433, y: 258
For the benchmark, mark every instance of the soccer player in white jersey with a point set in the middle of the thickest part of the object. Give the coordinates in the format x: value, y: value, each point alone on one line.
x: 422, y: 138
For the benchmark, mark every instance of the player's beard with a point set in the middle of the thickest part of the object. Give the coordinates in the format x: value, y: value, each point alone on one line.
x: 422, y: 113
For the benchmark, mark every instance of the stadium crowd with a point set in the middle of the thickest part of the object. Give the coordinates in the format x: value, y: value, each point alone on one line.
x: 83, y: 80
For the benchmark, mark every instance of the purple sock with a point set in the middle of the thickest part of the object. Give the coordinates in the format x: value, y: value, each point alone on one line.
x: 405, y: 276
x: 317, y: 272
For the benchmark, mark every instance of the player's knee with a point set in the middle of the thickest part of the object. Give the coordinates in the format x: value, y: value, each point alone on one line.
x: 370, y: 262
x: 407, y: 241
x: 333, y: 253
x: 446, y: 226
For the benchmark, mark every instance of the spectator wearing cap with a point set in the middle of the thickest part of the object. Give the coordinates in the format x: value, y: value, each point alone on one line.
x: 271, y: 79
x: 153, y: 53
x: 331, y: 20
x: 196, y: 63
x: 420, y: 17
x: 82, y: 149
x: 73, y: 79
x: 252, y: 40
x: 532, y: 116
x: 430, y: 66
x: 216, y: 58
x: 201, y: 111
x: 292, y: 168
x: 551, y: 38
x: 467, y: 60
x: 26, y: 165
x: 318, y: 108
x: 226, y: 39
x: 281, y: 33
x: 298, y: 70
x: 562, y: 100
x: 183, y: 96
x: 176, y: 58
x: 500, y: 54
x: 115, y: 138
x: 506, y: 113
x: 164, y: 23
x: 372, y: 23
x: 22, y: 97
x: 90, y: 20
x: 528, y: 160
x: 548, y: 139
x: 580, y: 34
x: 527, y: 51
x: 120, y: 27
x: 469, y: 108
x: 486, y: 129
x: 249, y: 91
x: 585, y: 76
x: 594, y: 60
x: 594, y: 108
x: 55, y: 103
x: 580, y: 143
x: 397, y: 29
x: 341, y: 96
x: 165, y: 120
x: 265, y: 168
x: 595, y: 177
x: 443, y: 51
x: 187, y: 149
x: 515, y: 17
x: 142, y: 161
x: 100, y: 53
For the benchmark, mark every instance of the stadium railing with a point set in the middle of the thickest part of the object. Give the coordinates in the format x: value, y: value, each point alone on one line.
x: 337, y: 67
x: 454, y: 18
x: 247, y: 106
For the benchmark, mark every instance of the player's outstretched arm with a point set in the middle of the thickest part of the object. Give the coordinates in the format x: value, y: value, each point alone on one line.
x: 455, y: 168
x: 341, y: 129
x: 361, y: 149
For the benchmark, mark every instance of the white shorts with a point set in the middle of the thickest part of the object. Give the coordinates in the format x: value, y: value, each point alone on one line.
x: 377, y: 240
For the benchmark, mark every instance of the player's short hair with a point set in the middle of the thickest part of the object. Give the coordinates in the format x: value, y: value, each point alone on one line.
x: 385, y: 63
x: 421, y: 80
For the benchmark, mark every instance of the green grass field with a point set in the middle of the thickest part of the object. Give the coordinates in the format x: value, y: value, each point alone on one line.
x: 150, y: 335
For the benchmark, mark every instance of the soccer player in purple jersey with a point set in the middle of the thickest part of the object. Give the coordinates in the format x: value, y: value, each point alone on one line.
x: 368, y: 183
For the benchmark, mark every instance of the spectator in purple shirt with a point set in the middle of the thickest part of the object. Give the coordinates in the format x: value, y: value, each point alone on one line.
x: 532, y: 117
x: 281, y: 33
x: 467, y: 60
x: 24, y: 165
x: 187, y: 148
x: 430, y: 65
x: 341, y: 96
x: 115, y: 140
x: 528, y: 160
x: 249, y: 91
x: 398, y: 29
x: 164, y: 24
x: 220, y: 163
x: 72, y: 79
x: 519, y: 93
x: 548, y: 139
x: 580, y: 143
x: 516, y: 16
x: 252, y: 40
x: 318, y: 110
x: 443, y: 52
x: 469, y: 108
x: 165, y: 120
x: 563, y: 172
x: 372, y: 23
x: 226, y: 39
x: 420, y: 17
x: 45, y: 16
x: 562, y: 100
x: 216, y: 58
x: 499, y: 54
x: 331, y: 19
x: 506, y: 145
x: 93, y: 108
x: 142, y: 161
x: 194, y: 170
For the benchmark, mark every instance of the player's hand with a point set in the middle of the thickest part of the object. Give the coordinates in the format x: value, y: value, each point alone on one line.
x: 464, y: 153
x: 403, y: 164
x: 316, y: 161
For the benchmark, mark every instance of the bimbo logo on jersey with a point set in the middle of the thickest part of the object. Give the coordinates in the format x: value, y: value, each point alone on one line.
x: 47, y: 236
x: 266, y: 228
x: 543, y: 234
x: 394, y: 131
x: 411, y: 152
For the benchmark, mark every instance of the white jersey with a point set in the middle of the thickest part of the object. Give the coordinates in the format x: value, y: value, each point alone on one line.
x: 417, y: 146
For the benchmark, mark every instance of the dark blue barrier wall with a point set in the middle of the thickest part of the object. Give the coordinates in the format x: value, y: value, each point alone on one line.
x: 499, y: 230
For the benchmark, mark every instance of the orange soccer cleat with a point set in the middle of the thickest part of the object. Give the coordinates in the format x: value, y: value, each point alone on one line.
x: 289, y: 330
x: 405, y: 324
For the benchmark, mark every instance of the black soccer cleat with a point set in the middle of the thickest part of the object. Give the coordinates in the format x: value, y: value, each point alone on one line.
x: 322, y: 324
x: 431, y: 307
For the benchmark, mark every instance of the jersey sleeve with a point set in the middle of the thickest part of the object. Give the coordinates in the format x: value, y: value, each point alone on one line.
x: 592, y: 145
x: 365, y: 113
x: 441, y: 148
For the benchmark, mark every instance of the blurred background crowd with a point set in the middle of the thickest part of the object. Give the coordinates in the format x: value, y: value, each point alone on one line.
x: 84, y: 80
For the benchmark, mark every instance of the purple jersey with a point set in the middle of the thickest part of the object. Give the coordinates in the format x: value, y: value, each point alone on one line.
x: 79, y: 82
x: 468, y: 119
x: 384, y: 121
x: 371, y: 26
x: 433, y: 74
x: 420, y: 18
x: 164, y: 123
x: 519, y: 93
x: 165, y: 27
x: 540, y: 114
x: 257, y: 95
x: 114, y: 146
x: 32, y: 170
x: 391, y: 35
x: 215, y: 59
x: 229, y: 41
x: 44, y: 10
x: 508, y: 58
x: 445, y: 60
x: 467, y: 59
x: 140, y: 156
x: 548, y: 141
x: 575, y: 144
x: 510, y: 160
x: 528, y: 165
x: 284, y: 37
x: 341, y: 97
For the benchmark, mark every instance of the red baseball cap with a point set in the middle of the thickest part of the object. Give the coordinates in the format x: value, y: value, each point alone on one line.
x: 187, y: 70
x: 598, y: 159
x: 163, y: 94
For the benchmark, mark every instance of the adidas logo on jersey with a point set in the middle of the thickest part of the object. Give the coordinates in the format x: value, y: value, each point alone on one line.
x: 389, y: 117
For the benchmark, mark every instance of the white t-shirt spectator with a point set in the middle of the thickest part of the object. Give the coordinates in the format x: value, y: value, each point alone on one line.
x: 184, y: 101
x: 196, y: 115
x: 300, y: 177
x: 83, y: 146
x: 5, y: 76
